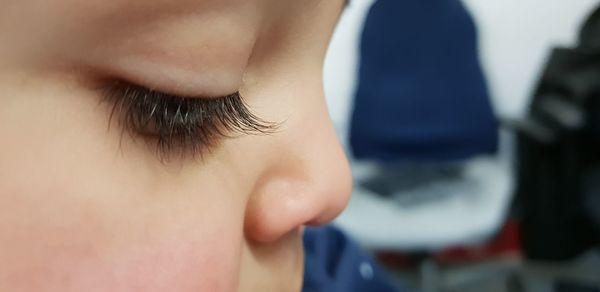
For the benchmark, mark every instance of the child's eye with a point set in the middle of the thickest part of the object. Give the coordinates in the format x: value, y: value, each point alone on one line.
x: 178, y: 124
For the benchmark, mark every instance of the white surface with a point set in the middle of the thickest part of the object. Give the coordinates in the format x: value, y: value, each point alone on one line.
x: 341, y: 64
x: 471, y: 211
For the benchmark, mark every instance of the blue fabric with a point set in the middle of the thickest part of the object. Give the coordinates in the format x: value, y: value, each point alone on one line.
x: 334, y: 263
x: 421, y: 94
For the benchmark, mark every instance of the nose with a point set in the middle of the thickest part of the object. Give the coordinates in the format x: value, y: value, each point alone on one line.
x: 309, y: 182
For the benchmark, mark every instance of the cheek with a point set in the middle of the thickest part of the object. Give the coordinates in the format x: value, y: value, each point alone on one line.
x: 59, y: 238
x: 177, y: 261
x: 77, y: 216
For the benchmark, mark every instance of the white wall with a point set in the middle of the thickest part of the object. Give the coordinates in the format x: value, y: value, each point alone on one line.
x: 515, y: 38
x: 341, y: 64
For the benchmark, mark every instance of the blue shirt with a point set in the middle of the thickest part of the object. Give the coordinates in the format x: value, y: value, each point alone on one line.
x: 336, y: 263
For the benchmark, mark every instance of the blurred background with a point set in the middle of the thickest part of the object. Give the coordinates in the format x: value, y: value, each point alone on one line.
x: 473, y: 130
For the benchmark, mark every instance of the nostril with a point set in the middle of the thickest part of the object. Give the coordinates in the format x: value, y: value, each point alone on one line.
x: 279, y: 206
x: 282, y: 205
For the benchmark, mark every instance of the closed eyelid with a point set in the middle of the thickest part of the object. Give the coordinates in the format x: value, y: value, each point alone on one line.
x: 181, y: 125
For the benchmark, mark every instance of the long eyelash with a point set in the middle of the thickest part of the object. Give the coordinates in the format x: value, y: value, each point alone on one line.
x: 183, y: 125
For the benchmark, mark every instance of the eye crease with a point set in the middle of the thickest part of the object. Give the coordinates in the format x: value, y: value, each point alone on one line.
x: 180, y: 125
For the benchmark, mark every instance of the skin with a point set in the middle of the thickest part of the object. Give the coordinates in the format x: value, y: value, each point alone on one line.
x: 83, y: 208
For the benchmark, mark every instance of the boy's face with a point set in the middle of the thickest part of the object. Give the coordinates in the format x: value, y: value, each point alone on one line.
x: 88, y: 206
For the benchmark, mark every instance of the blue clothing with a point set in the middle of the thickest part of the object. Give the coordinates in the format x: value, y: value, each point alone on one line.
x: 421, y: 92
x: 334, y: 263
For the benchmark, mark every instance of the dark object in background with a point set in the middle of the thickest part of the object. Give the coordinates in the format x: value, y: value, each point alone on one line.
x: 566, y: 286
x: 421, y: 93
x: 559, y: 154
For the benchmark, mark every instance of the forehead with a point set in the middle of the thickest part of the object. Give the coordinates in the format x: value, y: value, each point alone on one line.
x: 128, y: 15
x: 165, y: 7
x: 191, y: 37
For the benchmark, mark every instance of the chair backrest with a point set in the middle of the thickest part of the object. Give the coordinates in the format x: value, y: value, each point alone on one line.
x: 421, y: 93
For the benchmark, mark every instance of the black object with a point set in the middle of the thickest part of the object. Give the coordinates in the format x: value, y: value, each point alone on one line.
x: 570, y: 286
x: 559, y: 153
